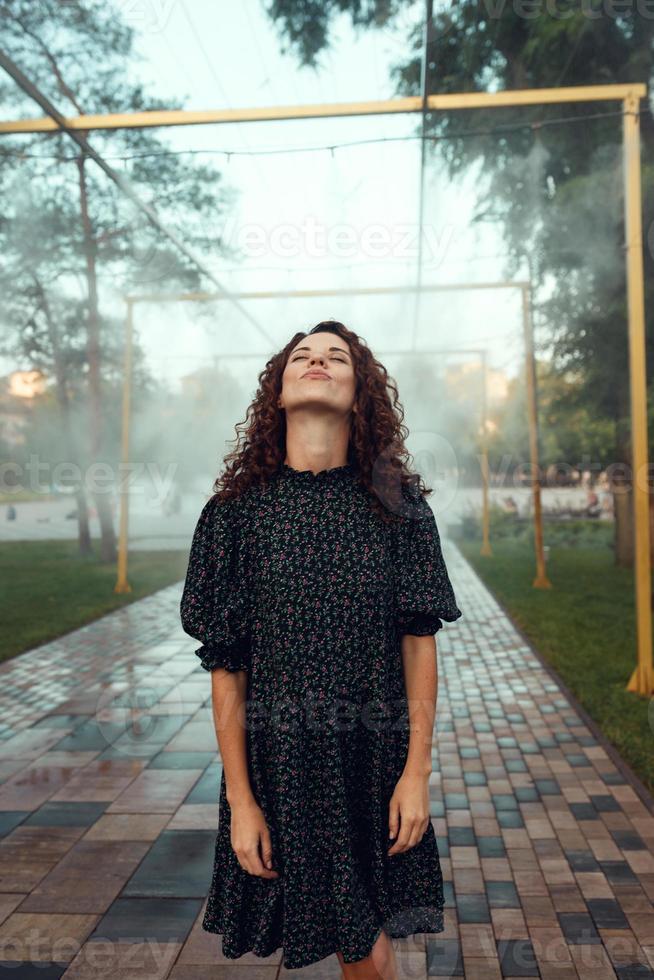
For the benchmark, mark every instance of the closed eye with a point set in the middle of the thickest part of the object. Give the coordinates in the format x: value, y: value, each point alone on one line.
x: 300, y: 356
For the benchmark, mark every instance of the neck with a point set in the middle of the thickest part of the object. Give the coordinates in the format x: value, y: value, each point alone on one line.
x: 316, y: 443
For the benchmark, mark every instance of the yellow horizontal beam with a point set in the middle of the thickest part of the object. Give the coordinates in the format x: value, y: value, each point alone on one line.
x: 201, y: 117
x: 538, y: 96
x: 480, y: 351
x: 304, y: 293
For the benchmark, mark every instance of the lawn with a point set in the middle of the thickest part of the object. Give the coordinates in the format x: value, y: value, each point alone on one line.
x: 49, y: 590
x: 584, y: 627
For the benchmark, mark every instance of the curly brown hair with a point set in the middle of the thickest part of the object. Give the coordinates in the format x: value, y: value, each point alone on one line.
x: 377, y: 436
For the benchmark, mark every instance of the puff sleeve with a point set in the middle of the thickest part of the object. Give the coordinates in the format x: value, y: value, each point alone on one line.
x: 423, y: 592
x: 213, y: 608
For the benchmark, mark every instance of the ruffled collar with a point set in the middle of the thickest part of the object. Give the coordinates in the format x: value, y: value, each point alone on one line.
x: 333, y: 473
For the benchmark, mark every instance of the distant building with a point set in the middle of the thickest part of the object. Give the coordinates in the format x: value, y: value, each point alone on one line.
x: 460, y: 378
x: 200, y: 383
x: 18, y: 391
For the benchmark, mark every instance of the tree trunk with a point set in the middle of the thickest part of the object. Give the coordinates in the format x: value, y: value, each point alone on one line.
x: 624, y: 524
x: 107, y: 535
x: 83, y: 530
x: 623, y: 509
x: 621, y: 480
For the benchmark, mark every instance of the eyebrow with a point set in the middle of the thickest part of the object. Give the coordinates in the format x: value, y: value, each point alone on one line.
x: 330, y: 348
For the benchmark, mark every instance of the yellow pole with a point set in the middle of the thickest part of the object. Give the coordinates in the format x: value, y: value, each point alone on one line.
x: 541, y: 581
x: 485, y: 544
x: 122, y: 585
x: 642, y: 678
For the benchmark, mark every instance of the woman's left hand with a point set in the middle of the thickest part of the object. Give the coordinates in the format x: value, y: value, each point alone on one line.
x: 408, y: 812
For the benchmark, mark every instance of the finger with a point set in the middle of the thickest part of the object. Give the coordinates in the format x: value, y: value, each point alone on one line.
x: 243, y: 862
x: 421, y: 830
x: 417, y: 831
x: 409, y: 835
x: 266, y: 848
x: 393, y: 819
x: 403, y: 837
x: 254, y: 861
x: 246, y: 862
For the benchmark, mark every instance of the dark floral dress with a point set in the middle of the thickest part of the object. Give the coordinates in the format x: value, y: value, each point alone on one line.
x: 301, y: 584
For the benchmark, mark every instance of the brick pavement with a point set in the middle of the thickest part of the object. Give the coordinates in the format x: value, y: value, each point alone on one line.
x: 108, y: 788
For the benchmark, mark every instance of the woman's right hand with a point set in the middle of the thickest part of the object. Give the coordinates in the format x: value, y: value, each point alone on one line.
x: 249, y: 830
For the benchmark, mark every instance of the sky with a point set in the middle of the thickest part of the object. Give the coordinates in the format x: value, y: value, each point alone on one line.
x: 312, y: 217
x: 318, y: 204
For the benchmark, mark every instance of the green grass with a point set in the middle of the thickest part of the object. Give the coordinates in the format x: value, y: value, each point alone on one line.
x: 49, y: 590
x: 20, y: 496
x: 584, y: 627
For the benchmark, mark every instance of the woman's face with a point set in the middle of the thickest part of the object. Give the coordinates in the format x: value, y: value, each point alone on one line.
x: 319, y: 373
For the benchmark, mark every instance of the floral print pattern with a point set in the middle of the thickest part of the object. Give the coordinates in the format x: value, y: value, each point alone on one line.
x: 302, y: 585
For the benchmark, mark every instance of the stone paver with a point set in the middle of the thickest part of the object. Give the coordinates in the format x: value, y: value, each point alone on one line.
x: 109, y: 777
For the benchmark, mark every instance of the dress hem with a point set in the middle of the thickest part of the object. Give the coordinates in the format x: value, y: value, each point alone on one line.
x: 399, y: 932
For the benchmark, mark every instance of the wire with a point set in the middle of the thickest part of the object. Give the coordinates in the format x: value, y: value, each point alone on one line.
x: 200, y: 44
x: 214, y: 75
x: 465, y: 134
x: 269, y: 76
x: 239, y: 269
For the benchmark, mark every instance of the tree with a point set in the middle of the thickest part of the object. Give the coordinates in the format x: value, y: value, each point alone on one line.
x: 554, y: 188
x: 80, y: 56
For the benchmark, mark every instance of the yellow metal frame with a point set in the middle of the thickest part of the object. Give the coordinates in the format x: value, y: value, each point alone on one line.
x: 203, y: 117
x: 642, y: 679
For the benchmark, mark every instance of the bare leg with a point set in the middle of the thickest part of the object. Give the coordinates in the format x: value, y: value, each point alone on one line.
x: 379, y: 965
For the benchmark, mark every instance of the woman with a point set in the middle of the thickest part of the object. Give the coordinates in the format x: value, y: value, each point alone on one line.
x: 316, y: 583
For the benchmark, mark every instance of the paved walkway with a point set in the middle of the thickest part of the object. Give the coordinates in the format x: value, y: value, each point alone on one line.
x: 108, y: 788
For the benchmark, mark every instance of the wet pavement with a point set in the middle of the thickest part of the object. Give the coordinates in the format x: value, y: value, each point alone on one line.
x: 109, y: 776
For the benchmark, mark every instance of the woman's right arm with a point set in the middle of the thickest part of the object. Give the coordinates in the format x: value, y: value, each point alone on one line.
x: 214, y: 610
x: 228, y: 694
x: 248, y: 824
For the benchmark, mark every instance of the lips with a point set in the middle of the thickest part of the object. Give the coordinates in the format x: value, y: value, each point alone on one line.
x: 315, y: 374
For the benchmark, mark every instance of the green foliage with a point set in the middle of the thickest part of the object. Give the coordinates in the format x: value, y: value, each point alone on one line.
x: 305, y: 24
x: 557, y: 533
x: 501, y: 525
x: 81, y: 56
x: 553, y: 186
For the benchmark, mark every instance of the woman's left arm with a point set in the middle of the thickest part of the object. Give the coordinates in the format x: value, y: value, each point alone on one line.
x: 409, y: 805
x: 424, y: 597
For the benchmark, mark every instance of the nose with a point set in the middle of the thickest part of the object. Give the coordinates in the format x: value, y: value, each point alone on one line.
x: 317, y: 357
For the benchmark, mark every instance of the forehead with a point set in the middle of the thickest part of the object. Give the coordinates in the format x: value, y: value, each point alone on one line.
x: 324, y: 343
